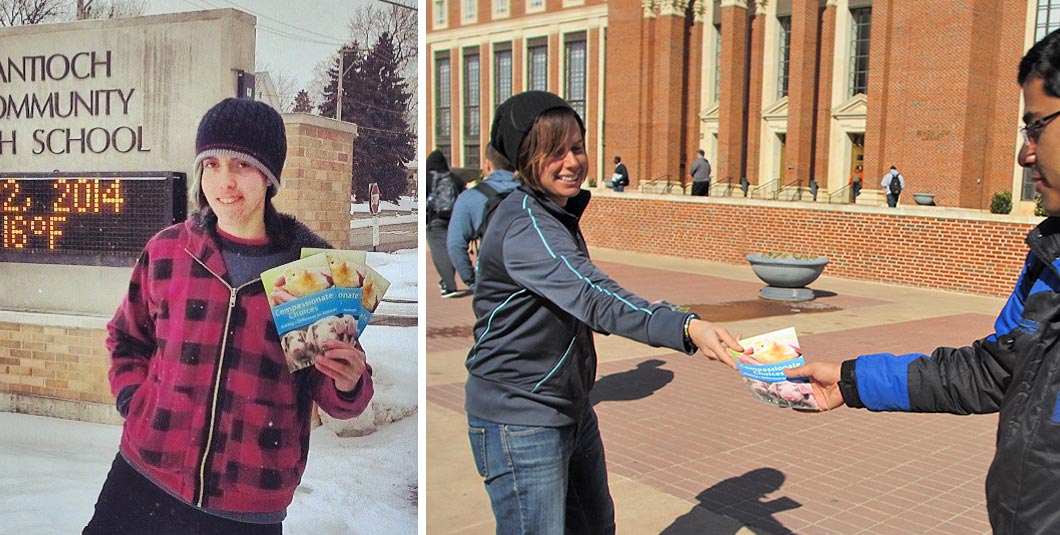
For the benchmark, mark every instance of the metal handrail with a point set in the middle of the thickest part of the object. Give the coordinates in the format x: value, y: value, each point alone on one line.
x: 751, y: 193
x: 833, y: 194
x: 797, y: 195
x: 653, y: 182
x: 727, y: 181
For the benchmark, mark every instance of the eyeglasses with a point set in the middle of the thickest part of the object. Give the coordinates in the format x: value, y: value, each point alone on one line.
x: 1033, y: 130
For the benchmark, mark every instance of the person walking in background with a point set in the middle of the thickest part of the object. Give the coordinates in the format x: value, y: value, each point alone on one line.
x: 856, y: 178
x: 893, y: 183
x: 1014, y: 371
x: 700, y: 175
x: 216, y: 431
x: 620, y: 179
x: 443, y: 188
x: 538, y: 300
x: 470, y: 212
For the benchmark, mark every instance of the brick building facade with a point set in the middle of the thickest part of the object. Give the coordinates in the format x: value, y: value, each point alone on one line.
x: 779, y: 92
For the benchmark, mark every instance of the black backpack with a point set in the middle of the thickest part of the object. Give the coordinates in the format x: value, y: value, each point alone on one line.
x: 493, y: 200
x: 895, y: 186
x: 443, y: 195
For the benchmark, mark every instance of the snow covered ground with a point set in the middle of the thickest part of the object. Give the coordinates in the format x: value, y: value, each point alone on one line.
x: 51, y: 470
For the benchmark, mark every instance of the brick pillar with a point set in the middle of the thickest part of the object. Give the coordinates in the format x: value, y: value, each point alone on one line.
x: 731, y: 148
x: 879, y: 91
x: 824, y: 99
x: 625, y: 90
x: 693, y: 67
x: 668, y: 90
x: 316, y: 179
x: 754, y: 97
x: 802, y: 92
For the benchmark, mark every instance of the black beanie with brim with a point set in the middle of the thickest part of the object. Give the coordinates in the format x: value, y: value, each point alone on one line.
x: 515, y: 117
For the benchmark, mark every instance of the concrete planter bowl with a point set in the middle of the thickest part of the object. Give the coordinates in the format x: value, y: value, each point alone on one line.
x: 787, y: 275
x: 924, y: 199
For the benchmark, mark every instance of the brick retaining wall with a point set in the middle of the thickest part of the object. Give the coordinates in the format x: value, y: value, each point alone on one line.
x: 930, y: 247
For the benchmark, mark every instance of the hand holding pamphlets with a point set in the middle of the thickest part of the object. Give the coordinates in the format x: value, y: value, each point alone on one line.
x: 325, y: 295
x: 762, y: 365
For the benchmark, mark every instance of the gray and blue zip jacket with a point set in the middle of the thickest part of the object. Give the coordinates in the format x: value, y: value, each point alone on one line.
x: 538, y: 300
x: 1015, y: 371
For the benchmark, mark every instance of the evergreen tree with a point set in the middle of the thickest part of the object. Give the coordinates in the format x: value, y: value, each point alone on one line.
x: 375, y: 98
x: 302, y: 103
x: 384, y: 143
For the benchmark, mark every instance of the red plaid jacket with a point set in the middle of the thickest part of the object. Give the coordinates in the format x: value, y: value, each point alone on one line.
x: 217, y: 419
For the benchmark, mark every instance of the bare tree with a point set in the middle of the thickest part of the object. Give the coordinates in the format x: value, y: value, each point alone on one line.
x: 24, y: 12
x: 372, y: 20
x: 110, y: 9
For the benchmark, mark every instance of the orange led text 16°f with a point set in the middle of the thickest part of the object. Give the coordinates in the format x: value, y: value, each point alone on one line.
x: 20, y: 222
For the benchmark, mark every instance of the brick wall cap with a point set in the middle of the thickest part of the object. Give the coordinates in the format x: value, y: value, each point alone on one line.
x: 290, y: 119
x: 54, y: 320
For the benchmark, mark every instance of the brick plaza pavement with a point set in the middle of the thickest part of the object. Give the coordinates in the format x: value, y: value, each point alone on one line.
x: 690, y: 452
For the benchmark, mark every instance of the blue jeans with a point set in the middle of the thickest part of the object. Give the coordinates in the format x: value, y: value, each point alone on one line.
x: 544, y: 480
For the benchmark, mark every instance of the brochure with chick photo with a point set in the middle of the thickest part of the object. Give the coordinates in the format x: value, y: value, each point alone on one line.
x: 349, y: 270
x: 309, y: 307
x: 762, y: 365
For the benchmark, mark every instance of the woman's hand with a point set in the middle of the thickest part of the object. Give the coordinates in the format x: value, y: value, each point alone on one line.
x: 343, y: 362
x: 714, y: 341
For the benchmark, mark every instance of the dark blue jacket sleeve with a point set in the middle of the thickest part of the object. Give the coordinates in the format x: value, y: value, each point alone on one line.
x: 541, y: 255
x: 965, y: 380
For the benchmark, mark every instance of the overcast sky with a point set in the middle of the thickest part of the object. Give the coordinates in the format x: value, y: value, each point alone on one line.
x: 292, y: 36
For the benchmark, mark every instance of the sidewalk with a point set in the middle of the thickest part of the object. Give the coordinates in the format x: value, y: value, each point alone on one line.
x: 690, y: 452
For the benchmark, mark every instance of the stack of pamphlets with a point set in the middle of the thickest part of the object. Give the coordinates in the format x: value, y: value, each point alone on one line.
x: 762, y: 365
x: 328, y: 294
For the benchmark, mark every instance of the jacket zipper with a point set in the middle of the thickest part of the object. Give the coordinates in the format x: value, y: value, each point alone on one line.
x: 200, y: 492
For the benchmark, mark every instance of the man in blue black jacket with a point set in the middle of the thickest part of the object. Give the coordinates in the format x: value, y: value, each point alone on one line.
x: 466, y: 222
x: 1016, y: 370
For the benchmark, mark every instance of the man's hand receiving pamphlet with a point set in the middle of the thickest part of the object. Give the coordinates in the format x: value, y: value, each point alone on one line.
x: 326, y: 295
x: 762, y: 365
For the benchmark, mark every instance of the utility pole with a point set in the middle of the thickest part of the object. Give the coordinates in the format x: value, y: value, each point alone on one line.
x: 342, y: 74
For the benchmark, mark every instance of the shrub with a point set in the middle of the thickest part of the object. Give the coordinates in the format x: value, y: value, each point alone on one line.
x: 592, y: 182
x: 1038, y: 210
x: 1001, y: 203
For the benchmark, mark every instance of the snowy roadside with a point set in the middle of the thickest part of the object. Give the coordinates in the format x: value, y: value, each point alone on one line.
x: 51, y: 470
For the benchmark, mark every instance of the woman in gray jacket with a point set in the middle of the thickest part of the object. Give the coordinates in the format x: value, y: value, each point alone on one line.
x: 537, y: 301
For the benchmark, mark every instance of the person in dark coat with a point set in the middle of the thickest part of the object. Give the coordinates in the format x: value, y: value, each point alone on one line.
x: 538, y: 300
x: 438, y: 220
x: 1015, y: 371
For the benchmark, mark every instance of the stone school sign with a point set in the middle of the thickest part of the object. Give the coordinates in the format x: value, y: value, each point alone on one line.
x: 97, y: 136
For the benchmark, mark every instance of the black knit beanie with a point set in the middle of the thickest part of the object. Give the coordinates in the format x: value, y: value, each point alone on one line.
x: 246, y: 129
x: 515, y: 117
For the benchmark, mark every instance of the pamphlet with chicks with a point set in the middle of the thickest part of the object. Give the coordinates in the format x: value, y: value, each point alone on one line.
x: 762, y: 365
x: 326, y: 295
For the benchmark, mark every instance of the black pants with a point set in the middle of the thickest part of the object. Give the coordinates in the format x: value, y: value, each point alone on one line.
x: 436, y: 231
x: 892, y: 200
x: 131, y: 504
x: 701, y: 188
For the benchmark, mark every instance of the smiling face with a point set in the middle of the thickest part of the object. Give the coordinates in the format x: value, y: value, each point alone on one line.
x: 564, y: 171
x: 235, y: 190
x: 1042, y: 156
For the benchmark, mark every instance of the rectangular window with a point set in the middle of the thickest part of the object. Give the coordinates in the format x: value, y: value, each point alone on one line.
x: 472, y: 107
x: 785, y: 56
x: 575, y: 79
x: 443, y: 127
x: 470, y: 10
x: 501, y: 8
x: 535, y: 6
x: 1048, y: 18
x: 502, y: 75
x: 440, y: 7
x: 717, y: 62
x: 1028, y: 192
x: 859, y: 50
x: 537, y: 67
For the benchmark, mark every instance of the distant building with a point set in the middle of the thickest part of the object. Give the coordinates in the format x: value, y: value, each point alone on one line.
x: 779, y: 92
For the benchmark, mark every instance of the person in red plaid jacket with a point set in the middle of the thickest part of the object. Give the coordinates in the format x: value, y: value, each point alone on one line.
x: 216, y: 430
